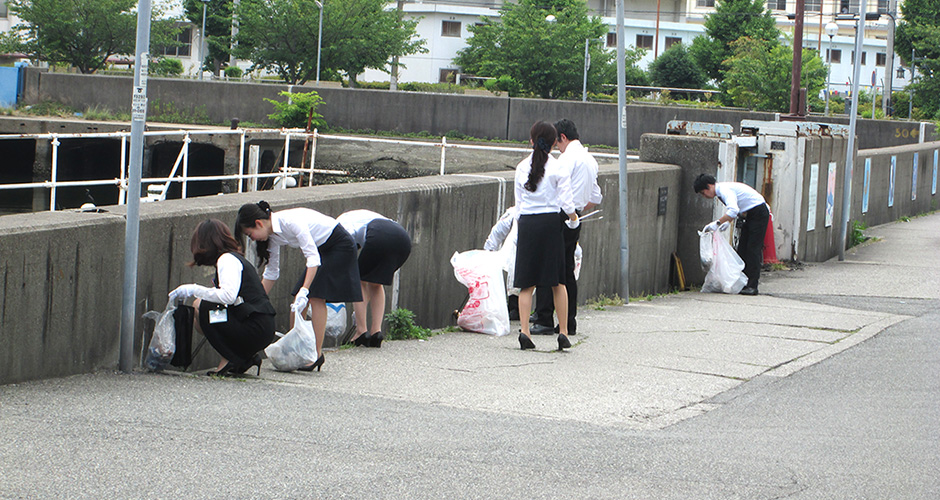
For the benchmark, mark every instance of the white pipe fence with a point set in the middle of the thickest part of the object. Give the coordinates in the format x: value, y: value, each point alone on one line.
x: 158, y: 186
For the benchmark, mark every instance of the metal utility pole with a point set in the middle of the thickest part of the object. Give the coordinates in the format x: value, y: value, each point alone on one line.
x: 797, y: 60
x: 587, y: 65
x: 202, y: 43
x: 132, y: 225
x: 886, y: 100
x: 853, y: 121
x: 393, y: 77
x: 622, y: 152
x: 831, y: 29
x: 319, y: 39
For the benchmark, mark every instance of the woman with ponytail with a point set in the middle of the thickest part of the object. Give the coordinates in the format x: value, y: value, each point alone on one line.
x: 331, y: 273
x: 544, y: 200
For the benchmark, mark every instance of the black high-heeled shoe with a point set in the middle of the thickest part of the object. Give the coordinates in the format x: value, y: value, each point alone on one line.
x: 363, y: 340
x: 316, y: 364
x: 376, y: 340
x: 254, y: 361
x: 222, y: 372
x: 563, y: 342
x: 525, y: 342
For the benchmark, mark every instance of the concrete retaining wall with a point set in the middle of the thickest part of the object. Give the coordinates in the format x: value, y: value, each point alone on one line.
x: 60, y: 299
x: 409, y: 112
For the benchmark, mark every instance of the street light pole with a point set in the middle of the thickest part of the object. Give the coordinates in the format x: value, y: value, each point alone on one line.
x: 202, y: 44
x: 886, y: 100
x: 910, y: 102
x: 319, y: 39
x: 587, y: 64
x: 831, y: 29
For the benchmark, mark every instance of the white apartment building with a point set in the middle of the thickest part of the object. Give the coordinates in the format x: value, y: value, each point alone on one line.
x: 443, y: 24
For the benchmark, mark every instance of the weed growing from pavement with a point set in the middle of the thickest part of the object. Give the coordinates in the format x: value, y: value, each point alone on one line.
x: 858, y: 236
x: 401, y: 326
x: 601, y: 302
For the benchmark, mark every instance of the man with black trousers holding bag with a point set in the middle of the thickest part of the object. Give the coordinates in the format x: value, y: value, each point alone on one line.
x: 586, y: 193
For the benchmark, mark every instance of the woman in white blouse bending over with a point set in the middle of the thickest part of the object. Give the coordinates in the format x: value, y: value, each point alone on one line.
x: 542, y: 189
x: 330, y: 275
x: 384, y: 248
x: 235, y: 315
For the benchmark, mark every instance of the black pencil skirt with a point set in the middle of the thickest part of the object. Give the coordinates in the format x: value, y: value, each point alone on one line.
x: 337, y: 278
x: 237, y: 340
x: 386, y: 249
x: 540, y: 251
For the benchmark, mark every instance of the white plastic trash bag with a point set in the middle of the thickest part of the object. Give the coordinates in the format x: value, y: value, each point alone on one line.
x: 724, y: 268
x: 508, y: 258
x: 486, y: 310
x: 335, y: 323
x: 296, y: 349
x: 163, y: 343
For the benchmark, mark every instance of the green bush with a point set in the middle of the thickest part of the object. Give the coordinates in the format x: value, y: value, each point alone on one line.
x: 374, y: 85
x: 166, y: 66
x: 440, y: 88
x: 504, y: 83
x: 293, y: 113
x: 233, y: 72
x: 401, y: 326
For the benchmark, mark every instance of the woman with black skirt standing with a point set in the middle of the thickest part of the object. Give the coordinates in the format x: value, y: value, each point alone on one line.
x: 384, y: 248
x: 331, y: 273
x: 543, y: 197
x: 235, y: 315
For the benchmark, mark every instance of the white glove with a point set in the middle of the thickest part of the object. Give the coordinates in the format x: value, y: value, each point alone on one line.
x: 724, y: 226
x: 573, y: 224
x: 183, y: 292
x: 300, y: 301
x: 711, y: 226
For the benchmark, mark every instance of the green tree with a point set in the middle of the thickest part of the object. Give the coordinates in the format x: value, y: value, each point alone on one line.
x: 758, y: 74
x: 219, y: 15
x: 731, y: 20
x: 920, y: 31
x: 281, y: 36
x: 545, y: 57
x: 83, y: 33
x: 676, y: 68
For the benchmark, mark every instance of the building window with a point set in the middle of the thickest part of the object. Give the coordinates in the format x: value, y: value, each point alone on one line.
x: 450, y: 28
x: 880, y: 58
x: 863, y: 57
x: 778, y: 4
x: 813, y: 6
x: 704, y: 3
x: 3, y: 9
x: 611, y: 39
x: 834, y: 57
x: 185, y: 40
x: 448, y: 76
x: 882, y: 6
x: 672, y: 40
x: 848, y: 6
x: 644, y: 41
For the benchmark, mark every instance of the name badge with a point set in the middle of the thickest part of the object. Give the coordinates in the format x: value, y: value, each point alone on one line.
x: 218, y: 315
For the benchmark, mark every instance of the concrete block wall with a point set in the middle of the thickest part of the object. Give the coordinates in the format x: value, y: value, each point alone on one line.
x: 411, y: 112
x: 909, y: 199
x: 60, y: 301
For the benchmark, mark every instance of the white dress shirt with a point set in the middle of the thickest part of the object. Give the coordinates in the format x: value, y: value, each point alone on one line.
x: 301, y: 228
x: 737, y: 197
x: 583, y: 167
x: 553, y: 192
x: 500, y: 230
x: 356, y: 221
x: 229, y: 269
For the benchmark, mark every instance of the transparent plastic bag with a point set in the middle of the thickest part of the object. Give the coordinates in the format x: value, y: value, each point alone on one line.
x: 335, y: 324
x: 295, y: 349
x: 163, y: 343
x: 486, y: 310
x: 725, y: 272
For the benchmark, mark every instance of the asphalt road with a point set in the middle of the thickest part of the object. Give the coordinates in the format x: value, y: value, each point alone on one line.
x: 465, y: 416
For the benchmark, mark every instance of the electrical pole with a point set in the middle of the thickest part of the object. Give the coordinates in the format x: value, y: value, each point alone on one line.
x: 622, y: 153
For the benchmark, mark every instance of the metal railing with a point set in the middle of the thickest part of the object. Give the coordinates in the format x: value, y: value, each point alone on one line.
x: 158, y: 186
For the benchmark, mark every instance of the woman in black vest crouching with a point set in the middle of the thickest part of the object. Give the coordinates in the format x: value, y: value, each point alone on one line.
x: 235, y: 315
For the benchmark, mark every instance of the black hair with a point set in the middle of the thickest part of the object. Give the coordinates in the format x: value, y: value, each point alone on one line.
x: 247, y: 215
x: 543, y: 137
x: 211, y: 239
x: 702, y: 182
x: 566, y: 127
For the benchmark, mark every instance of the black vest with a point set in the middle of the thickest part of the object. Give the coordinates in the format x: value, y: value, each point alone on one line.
x: 251, y: 291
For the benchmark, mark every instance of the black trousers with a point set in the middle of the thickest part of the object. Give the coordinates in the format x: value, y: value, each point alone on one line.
x: 545, y: 302
x: 751, y: 242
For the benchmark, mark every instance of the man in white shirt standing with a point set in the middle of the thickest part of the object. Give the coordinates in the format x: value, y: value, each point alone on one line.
x: 586, y: 194
x: 741, y: 202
